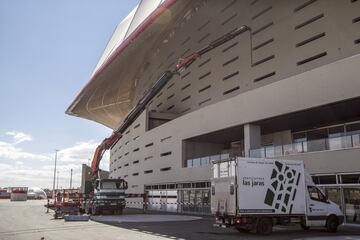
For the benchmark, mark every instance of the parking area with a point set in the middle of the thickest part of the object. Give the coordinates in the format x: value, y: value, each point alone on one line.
x: 29, y: 220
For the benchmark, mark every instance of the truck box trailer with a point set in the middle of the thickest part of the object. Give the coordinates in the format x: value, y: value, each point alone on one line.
x: 256, y: 194
x: 18, y: 194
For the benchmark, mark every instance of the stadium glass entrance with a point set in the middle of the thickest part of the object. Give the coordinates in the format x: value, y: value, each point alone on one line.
x: 190, y: 197
x: 343, y: 189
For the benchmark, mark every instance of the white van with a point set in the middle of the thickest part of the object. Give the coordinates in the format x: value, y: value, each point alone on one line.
x: 256, y: 194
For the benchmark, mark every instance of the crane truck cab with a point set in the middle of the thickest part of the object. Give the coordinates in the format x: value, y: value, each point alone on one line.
x: 108, y: 196
x: 254, y: 194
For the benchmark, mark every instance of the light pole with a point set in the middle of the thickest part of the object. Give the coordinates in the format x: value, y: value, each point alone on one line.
x: 71, y: 171
x: 57, y: 182
x: 56, y: 151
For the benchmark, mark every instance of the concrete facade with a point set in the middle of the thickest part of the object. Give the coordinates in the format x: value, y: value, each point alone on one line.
x: 295, y: 71
x: 169, y: 137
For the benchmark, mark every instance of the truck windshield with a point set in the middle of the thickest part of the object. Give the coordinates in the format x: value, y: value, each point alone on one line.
x: 224, y: 169
x: 111, y: 185
x: 215, y: 171
x: 316, y: 194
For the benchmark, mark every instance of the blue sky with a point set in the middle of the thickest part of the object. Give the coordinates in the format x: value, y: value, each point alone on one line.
x: 48, y: 50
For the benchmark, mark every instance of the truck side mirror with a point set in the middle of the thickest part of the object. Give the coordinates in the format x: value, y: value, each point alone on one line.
x: 232, y: 189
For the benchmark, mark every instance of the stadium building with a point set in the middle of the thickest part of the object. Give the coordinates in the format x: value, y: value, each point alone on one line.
x: 286, y: 87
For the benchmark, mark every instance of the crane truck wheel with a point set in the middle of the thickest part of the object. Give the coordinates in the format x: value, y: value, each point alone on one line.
x: 94, y: 210
x: 88, y: 210
x: 242, y: 229
x: 118, y: 212
x: 264, y: 226
x: 332, y: 224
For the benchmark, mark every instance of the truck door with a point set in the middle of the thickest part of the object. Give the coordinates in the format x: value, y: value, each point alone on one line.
x: 317, y: 207
x: 223, y: 192
x: 163, y: 201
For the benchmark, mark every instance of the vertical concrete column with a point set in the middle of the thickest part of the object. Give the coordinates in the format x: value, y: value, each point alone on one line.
x: 281, y: 141
x: 252, y: 138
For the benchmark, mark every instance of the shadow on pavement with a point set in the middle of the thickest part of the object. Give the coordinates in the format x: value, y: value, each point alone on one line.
x: 203, y: 229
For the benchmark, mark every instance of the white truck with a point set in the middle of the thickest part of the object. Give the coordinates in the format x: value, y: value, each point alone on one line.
x: 254, y: 194
x: 108, y: 196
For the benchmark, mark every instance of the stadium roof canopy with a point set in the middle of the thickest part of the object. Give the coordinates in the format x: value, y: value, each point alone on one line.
x: 110, y: 94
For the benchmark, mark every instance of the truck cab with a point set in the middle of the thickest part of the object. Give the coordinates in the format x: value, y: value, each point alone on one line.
x: 108, y: 196
x: 321, y: 211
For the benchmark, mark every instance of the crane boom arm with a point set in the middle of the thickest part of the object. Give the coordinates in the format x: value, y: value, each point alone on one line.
x: 106, y: 144
x: 184, y: 63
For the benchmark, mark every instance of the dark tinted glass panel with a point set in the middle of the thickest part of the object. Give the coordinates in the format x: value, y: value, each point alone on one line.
x: 317, y: 134
x: 298, y: 137
x: 352, y: 204
x: 353, y: 128
x: 200, y: 185
x: 328, y: 179
x: 350, y: 178
x: 336, y: 131
x: 317, y: 140
x: 171, y: 186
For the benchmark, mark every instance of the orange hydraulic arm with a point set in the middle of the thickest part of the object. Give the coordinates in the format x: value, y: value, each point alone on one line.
x: 184, y: 63
x: 106, y: 144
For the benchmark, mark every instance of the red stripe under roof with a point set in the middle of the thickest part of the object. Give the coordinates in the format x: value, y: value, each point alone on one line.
x: 149, y: 20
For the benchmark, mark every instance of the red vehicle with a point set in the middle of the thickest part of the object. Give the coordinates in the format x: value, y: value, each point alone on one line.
x: 18, y: 194
x: 66, y: 202
x: 4, y: 194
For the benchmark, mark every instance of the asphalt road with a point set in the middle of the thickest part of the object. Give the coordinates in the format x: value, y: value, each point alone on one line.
x: 29, y: 220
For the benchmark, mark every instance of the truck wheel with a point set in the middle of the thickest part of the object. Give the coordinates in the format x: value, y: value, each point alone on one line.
x: 332, y: 224
x: 264, y: 226
x: 304, y: 227
x: 57, y: 213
